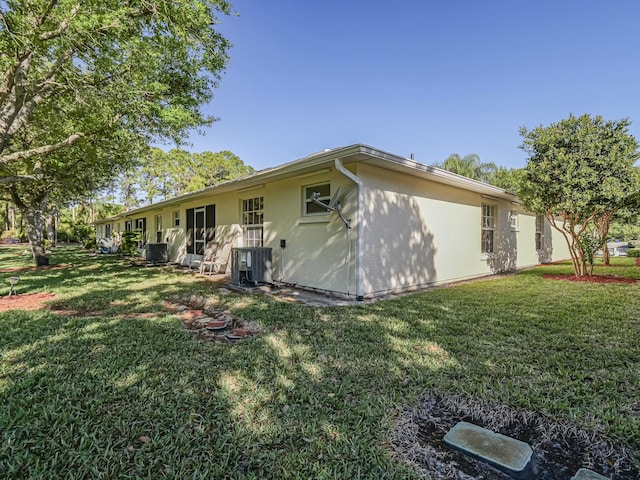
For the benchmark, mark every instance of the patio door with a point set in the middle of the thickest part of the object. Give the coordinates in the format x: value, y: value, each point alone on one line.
x: 141, y: 226
x: 198, y: 231
x: 201, y: 228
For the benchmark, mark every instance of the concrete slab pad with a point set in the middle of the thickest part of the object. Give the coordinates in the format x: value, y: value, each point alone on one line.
x: 586, y: 474
x: 507, y: 454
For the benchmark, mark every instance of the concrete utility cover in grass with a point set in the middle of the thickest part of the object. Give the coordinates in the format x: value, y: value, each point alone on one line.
x: 584, y: 474
x: 507, y: 454
x: 204, y: 320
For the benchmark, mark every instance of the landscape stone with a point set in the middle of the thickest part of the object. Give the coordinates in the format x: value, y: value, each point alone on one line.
x: 203, y: 320
x: 507, y: 454
x: 586, y: 474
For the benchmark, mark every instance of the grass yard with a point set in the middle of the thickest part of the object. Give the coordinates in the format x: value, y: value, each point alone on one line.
x: 105, y: 394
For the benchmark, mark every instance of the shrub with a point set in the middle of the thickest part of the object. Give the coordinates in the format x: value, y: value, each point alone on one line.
x: 82, y: 232
x: 589, y: 244
x: 9, y: 234
x: 129, y: 243
x: 633, y: 252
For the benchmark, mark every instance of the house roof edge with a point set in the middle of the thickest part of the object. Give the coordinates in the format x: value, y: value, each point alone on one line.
x: 322, y: 158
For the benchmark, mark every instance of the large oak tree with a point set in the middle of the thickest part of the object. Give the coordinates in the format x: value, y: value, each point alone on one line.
x: 84, y: 85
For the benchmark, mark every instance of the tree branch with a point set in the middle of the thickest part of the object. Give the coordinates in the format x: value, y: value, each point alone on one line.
x: 15, y: 99
x: 40, y: 21
x: 64, y: 25
x: 17, y: 201
x: 12, y: 157
x: 16, y: 178
x: 17, y: 110
x: 7, y: 84
x: 55, y: 67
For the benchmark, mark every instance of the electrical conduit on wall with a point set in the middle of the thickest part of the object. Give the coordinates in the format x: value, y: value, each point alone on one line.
x: 359, y: 219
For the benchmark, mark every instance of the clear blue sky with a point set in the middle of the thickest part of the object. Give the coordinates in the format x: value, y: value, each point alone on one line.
x: 430, y: 77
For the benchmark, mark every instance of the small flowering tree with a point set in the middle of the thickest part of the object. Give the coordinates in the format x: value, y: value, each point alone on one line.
x: 579, y: 173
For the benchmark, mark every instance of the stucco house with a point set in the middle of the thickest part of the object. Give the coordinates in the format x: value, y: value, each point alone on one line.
x: 397, y: 224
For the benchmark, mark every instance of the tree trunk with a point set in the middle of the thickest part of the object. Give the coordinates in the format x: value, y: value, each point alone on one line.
x: 606, y: 258
x: 6, y: 216
x: 56, y: 224
x: 34, y: 217
x: 49, y: 219
x: 573, y: 242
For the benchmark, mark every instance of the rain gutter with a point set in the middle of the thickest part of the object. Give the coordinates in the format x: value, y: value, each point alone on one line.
x: 360, y: 223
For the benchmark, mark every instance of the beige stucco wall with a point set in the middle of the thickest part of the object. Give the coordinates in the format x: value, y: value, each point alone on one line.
x: 227, y: 224
x: 317, y: 247
x: 554, y: 245
x: 421, y: 233
x: 416, y: 232
x: 317, y: 252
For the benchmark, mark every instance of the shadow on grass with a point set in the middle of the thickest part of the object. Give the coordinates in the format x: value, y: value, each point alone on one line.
x: 79, y: 394
x: 314, y: 395
x: 86, y: 394
x: 136, y: 397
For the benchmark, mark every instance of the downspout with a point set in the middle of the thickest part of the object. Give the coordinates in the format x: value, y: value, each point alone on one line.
x: 360, y: 217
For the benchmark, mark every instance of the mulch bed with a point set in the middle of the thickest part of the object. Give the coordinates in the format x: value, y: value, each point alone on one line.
x: 30, y: 301
x: 560, y: 449
x: 591, y: 278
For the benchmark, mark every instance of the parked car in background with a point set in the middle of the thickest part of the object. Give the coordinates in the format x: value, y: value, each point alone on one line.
x: 618, y: 249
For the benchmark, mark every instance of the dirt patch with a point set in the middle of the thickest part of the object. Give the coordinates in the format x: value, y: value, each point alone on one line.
x: 591, y: 278
x: 560, y: 449
x: 206, y: 320
x: 30, y: 301
x: 140, y: 316
x: 34, y: 268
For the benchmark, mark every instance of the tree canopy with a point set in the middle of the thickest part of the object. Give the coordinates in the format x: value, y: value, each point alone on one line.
x: 85, y: 86
x: 166, y: 174
x: 469, y: 166
x: 581, y: 170
x: 507, y: 178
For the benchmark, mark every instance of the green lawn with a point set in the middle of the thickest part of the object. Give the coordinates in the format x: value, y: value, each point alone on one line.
x: 315, y: 394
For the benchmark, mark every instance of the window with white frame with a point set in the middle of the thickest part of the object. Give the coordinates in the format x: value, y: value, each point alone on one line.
x: 158, y: 223
x: 252, y: 218
x: 322, y: 193
x: 107, y: 230
x: 513, y: 219
x: 539, y: 231
x: 176, y: 218
x: 488, y: 228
